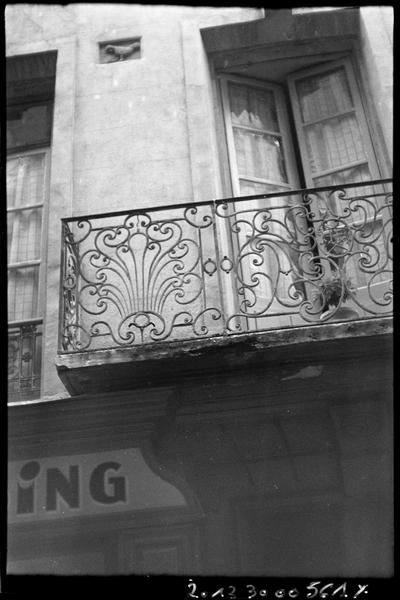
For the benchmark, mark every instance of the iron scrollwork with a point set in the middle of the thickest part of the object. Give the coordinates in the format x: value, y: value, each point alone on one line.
x: 229, y: 266
x: 140, y: 280
x: 24, y: 360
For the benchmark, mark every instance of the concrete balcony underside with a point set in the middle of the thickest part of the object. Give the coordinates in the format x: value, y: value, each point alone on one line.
x: 156, y: 364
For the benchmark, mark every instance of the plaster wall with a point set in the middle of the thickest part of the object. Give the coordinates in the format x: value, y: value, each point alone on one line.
x: 377, y: 50
x: 130, y: 130
x: 121, y: 131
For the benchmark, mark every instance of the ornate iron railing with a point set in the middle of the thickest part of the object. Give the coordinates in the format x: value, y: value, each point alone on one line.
x: 24, y: 360
x: 225, y: 267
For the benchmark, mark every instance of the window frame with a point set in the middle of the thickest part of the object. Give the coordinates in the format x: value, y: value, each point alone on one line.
x: 288, y: 108
x: 39, y: 320
x: 44, y: 206
x: 358, y: 111
x: 285, y: 131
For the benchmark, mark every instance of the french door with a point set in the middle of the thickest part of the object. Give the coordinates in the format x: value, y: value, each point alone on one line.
x: 261, y: 161
x: 336, y: 149
x: 275, y: 258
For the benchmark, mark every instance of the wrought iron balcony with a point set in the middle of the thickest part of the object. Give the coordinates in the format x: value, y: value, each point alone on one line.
x: 226, y: 267
x: 24, y: 359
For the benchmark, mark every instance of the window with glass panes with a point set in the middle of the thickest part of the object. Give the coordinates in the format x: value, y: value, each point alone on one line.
x: 329, y: 129
x: 30, y: 91
x: 26, y: 196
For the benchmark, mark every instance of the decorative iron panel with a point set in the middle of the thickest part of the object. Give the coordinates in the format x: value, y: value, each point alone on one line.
x: 229, y: 266
x: 24, y: 360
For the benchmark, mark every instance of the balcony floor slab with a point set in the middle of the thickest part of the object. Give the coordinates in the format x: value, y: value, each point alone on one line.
x: 161, y: 363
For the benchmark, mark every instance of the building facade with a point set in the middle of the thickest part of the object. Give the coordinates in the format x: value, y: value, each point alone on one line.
x: 199, y: 276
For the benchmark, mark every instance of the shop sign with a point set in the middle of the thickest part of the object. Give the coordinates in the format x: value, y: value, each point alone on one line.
x: 86, y: 484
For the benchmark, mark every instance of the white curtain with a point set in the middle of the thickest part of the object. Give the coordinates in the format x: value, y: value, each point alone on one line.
x: 260, y: 155
x: 25, y: 197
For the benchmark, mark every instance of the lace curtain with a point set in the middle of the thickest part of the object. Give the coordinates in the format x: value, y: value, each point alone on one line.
x: 25, y: 195
x: 261, y: 168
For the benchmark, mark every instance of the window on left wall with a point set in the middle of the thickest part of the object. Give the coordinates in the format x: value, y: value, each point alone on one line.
x: 30, y: 98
